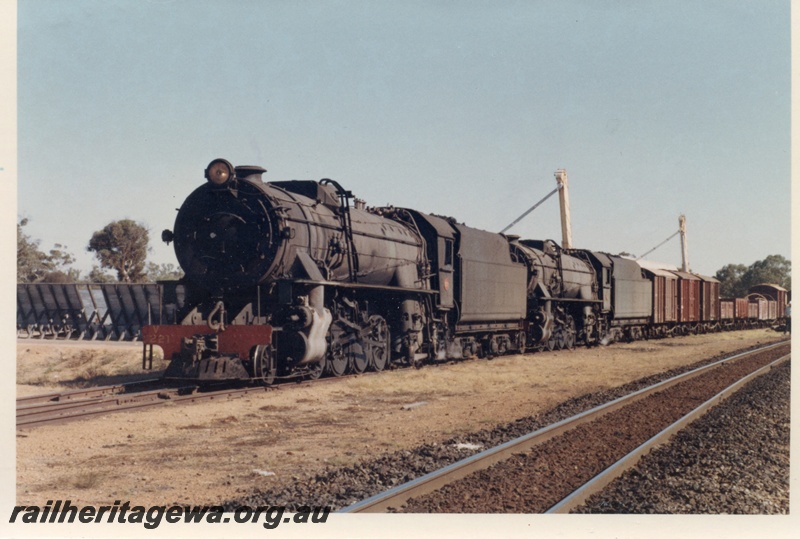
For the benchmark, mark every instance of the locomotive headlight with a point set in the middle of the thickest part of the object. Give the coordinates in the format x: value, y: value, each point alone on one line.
x: 219, y: 171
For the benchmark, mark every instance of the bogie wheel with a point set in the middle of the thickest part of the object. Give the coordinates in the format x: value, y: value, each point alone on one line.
x: 264, y: 368
x: 315, y: 371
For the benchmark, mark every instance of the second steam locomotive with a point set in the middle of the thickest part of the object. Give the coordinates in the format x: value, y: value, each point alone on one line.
x: 299, y: 279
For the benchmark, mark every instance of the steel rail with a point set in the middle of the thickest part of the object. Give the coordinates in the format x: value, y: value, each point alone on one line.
x: 397, y: 496
x: 81, y: 393
x: 601, y: 480
x: 83, y: 410
x: 49, y: 408
x: 132, y: 402
x: 101, y: 401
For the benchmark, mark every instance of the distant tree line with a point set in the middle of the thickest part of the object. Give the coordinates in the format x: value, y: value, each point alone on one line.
x: 121, y: 246
x: 736, y: 279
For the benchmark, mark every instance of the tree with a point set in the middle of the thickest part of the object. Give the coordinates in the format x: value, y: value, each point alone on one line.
x: 736, y: 279
x: 60, y: 277
x: 97, y: 275
x: 31, y: 262
x: 34, y: 265
x: 774, y: 269
x: 730, y: 278
x: 122, y: 246
x: 59, y: 257
x: 163, y: 272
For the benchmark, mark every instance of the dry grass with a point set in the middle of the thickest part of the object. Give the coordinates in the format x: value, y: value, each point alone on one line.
x: 70, y: 365
x: 208, y: 452
x: 460, y: 380
x: 86, y: 480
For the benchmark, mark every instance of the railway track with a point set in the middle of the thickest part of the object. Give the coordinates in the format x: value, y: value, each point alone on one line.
x: 556, y: 468
x: 60, y: 407
x: 52, y: 408
x: 80, y: 394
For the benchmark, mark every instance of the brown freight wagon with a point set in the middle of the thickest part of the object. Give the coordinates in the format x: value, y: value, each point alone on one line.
x: 762, y: 313
x: 665, y: 295
x: 773, y: 292
x: 752, y: 310
x: 688, y: 297
x: 709, y: 299
x: 773, y: 310
x: 726, y: 309
x: 742, y: 308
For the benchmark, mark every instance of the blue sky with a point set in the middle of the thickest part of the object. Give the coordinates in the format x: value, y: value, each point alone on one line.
x: 655, y: 108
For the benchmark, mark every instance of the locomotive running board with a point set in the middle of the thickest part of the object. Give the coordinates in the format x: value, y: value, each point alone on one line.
x: 361, y: 286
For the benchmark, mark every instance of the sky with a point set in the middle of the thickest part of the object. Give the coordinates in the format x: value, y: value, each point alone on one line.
x: 655, y: 109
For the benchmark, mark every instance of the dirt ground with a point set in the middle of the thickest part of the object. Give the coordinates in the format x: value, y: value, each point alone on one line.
x: 211, y: 452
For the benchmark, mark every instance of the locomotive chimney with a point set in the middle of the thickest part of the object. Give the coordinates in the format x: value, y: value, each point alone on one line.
x: 248, y: 172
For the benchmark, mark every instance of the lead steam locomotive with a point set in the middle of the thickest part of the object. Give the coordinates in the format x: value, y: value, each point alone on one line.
x: 289, y: 279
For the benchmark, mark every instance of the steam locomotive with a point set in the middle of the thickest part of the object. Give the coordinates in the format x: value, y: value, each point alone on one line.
x: 299, y: 279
